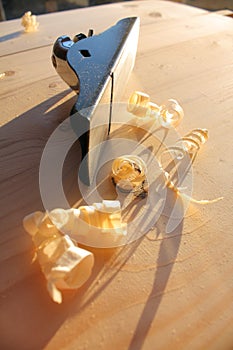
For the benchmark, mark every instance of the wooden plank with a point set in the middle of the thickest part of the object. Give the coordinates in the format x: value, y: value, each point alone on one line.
x: 164, y: 290
x: 36, y: 64
x: 14, y: 40
x: 225, y: 12
x: 168, y: 70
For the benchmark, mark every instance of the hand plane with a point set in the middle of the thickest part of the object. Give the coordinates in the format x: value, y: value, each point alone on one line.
x: 97, y: 68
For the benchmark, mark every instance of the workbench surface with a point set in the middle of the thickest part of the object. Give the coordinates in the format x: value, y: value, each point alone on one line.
x: 170, y: 292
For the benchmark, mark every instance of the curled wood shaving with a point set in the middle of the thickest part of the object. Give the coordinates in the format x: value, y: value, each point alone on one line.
x: 170, y: 184
x: 99, y: 224
x: 193, y: 141
x: 64, y: 264
x: 168, y: 115
x: 129, y: 171
x: 189, y: 144
x: 129, y: 174
x: 29, y: 22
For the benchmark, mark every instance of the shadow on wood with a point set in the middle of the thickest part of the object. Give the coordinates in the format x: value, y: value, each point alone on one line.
x: 25, y: 305
x: 26, y: 310
x: 168, y: 251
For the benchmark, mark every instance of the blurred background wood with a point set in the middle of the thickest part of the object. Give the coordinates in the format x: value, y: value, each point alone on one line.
x: 212, y: 5
x: 15, y: 8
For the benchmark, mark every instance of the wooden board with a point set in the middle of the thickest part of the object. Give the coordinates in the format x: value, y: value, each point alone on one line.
x: 75, y: 21
x: 164, y: 290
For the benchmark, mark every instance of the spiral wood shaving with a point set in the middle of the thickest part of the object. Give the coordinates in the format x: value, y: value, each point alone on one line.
x: 64, y: 264
x: 168, y: 115
x: 129, y: 174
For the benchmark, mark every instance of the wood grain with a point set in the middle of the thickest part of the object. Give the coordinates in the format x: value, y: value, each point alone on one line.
x: 76, y: 20
x: 164, y: 290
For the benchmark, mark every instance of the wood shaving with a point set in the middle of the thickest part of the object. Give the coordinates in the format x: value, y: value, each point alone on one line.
x: 29, y: 22
x: 129, y: 171
x: 99, y: 224
x: 64, y: 264
x: 129, y: 174
x: 168, y: 115
x: 170, y: 184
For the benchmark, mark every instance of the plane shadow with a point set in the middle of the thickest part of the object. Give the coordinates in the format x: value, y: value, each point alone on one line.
x: 22, y: 286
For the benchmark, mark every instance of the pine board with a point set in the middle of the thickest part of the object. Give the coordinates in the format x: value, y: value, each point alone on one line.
x: 171, y: 292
